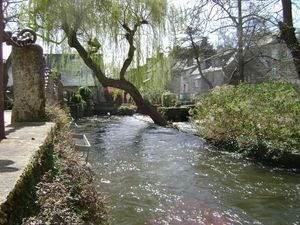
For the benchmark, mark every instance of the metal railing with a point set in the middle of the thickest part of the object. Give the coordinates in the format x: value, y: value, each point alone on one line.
x: 82, y: 144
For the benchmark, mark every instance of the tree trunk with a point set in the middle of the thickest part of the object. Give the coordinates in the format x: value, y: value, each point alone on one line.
x: 122, y: 83
x: 143, y: 105
x: 196, y: 53
x: 202, y: 75
x: 128, y: 87
x: 288, y: 33
x: 240, y: 43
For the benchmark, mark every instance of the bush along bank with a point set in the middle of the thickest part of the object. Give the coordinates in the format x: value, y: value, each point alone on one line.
x: 260, y: 121
x: 65, y: 193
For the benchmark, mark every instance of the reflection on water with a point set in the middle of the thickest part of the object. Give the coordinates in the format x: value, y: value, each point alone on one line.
x: 157, y: 175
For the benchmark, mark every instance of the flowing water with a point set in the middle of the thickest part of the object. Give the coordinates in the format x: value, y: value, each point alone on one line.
x: 155, y: 175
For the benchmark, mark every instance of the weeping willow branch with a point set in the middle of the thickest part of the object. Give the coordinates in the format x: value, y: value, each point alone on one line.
x: 130, y: 39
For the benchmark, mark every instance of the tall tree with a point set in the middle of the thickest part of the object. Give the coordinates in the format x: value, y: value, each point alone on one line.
x: 191, y: 39
x: 120, y: 30
x: 247, y: 19
x: 288, y: 33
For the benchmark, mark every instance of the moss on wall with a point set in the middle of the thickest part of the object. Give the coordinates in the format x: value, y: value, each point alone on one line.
x: 21, y: 200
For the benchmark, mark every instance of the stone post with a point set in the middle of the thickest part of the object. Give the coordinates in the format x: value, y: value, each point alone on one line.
x: 28, y: 65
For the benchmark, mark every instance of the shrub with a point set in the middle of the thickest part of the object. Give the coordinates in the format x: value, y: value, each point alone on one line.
x: 166, y: 99
x: 251, y: 113
x: 85, y: 93
x: 126, y: 110
x: 177, y: 104
x: 77, y: 99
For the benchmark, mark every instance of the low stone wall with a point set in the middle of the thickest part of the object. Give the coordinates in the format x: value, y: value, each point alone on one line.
x: 175, y: 114
x: 21, y: 200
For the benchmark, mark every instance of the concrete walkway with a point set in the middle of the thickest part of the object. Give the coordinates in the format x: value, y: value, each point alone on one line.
x: 22, y: 141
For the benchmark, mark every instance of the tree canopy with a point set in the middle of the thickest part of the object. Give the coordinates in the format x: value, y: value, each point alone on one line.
x: 124, y: 33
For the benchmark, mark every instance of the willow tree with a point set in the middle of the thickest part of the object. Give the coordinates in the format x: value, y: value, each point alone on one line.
x: 124, y: 32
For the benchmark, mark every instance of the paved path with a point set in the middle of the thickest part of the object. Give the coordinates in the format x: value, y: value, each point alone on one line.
x: 23, y: 140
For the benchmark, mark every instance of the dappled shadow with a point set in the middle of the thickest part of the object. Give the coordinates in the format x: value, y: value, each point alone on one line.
x: 5, y: 166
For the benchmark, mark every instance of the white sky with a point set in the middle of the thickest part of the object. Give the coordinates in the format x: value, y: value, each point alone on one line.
x: 6, y: 50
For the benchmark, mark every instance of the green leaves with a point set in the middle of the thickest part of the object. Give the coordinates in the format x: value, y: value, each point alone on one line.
x: 268, y: 111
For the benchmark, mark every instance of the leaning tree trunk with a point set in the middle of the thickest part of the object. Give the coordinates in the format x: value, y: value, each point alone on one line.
x: 121, y: 83
x: 143, y: 105
x: 288, y: 33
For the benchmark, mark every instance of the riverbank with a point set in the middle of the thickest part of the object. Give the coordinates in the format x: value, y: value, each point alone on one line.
x: 21, y: 154
x: 44, y: 180
x: 260, y: 121
x: 261, y: 152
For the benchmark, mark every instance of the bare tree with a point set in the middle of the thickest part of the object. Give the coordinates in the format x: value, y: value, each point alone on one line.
x: 247, y: 20
x: 288, y: 33
x: 191, y: 38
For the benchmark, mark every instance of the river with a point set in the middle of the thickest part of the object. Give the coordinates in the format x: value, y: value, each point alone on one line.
x: 156, y: 175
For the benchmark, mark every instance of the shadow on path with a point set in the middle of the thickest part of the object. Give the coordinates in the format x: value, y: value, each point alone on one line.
x: 5, y: 168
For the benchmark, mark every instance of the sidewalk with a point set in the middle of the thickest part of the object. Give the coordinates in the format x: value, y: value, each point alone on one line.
x: 23, y: 140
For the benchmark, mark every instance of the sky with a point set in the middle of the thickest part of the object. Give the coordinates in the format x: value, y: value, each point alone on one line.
x: 7, y: 49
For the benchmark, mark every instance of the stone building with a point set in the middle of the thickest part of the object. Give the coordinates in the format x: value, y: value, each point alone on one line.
x: 69, y: 74
x: 266, y: 58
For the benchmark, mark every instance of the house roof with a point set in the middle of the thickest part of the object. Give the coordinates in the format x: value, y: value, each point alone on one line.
x: 69, y: 80
x: 210, y: 69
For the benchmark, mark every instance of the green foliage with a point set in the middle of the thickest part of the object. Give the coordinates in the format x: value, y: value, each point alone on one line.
x: 57, y: 115
x: 151, y: 77
x: 166, y: 99
x: 98, y: 25
x: 85, y: 93
x: 251, y: 113
x: 77, y: 98
x: 126, y: 109
x: 162, y: 110
x: 177, y: 104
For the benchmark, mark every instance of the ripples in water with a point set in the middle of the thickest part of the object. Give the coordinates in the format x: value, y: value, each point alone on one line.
x: 157, y: 175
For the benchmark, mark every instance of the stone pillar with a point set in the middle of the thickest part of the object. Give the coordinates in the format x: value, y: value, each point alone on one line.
x: 28, y: 65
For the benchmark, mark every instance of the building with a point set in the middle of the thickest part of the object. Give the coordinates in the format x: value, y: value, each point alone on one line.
x: 66, y: 74
x: 266, y: 58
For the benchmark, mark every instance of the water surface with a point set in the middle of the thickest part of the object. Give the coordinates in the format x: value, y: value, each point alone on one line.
x: 156, y: 175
